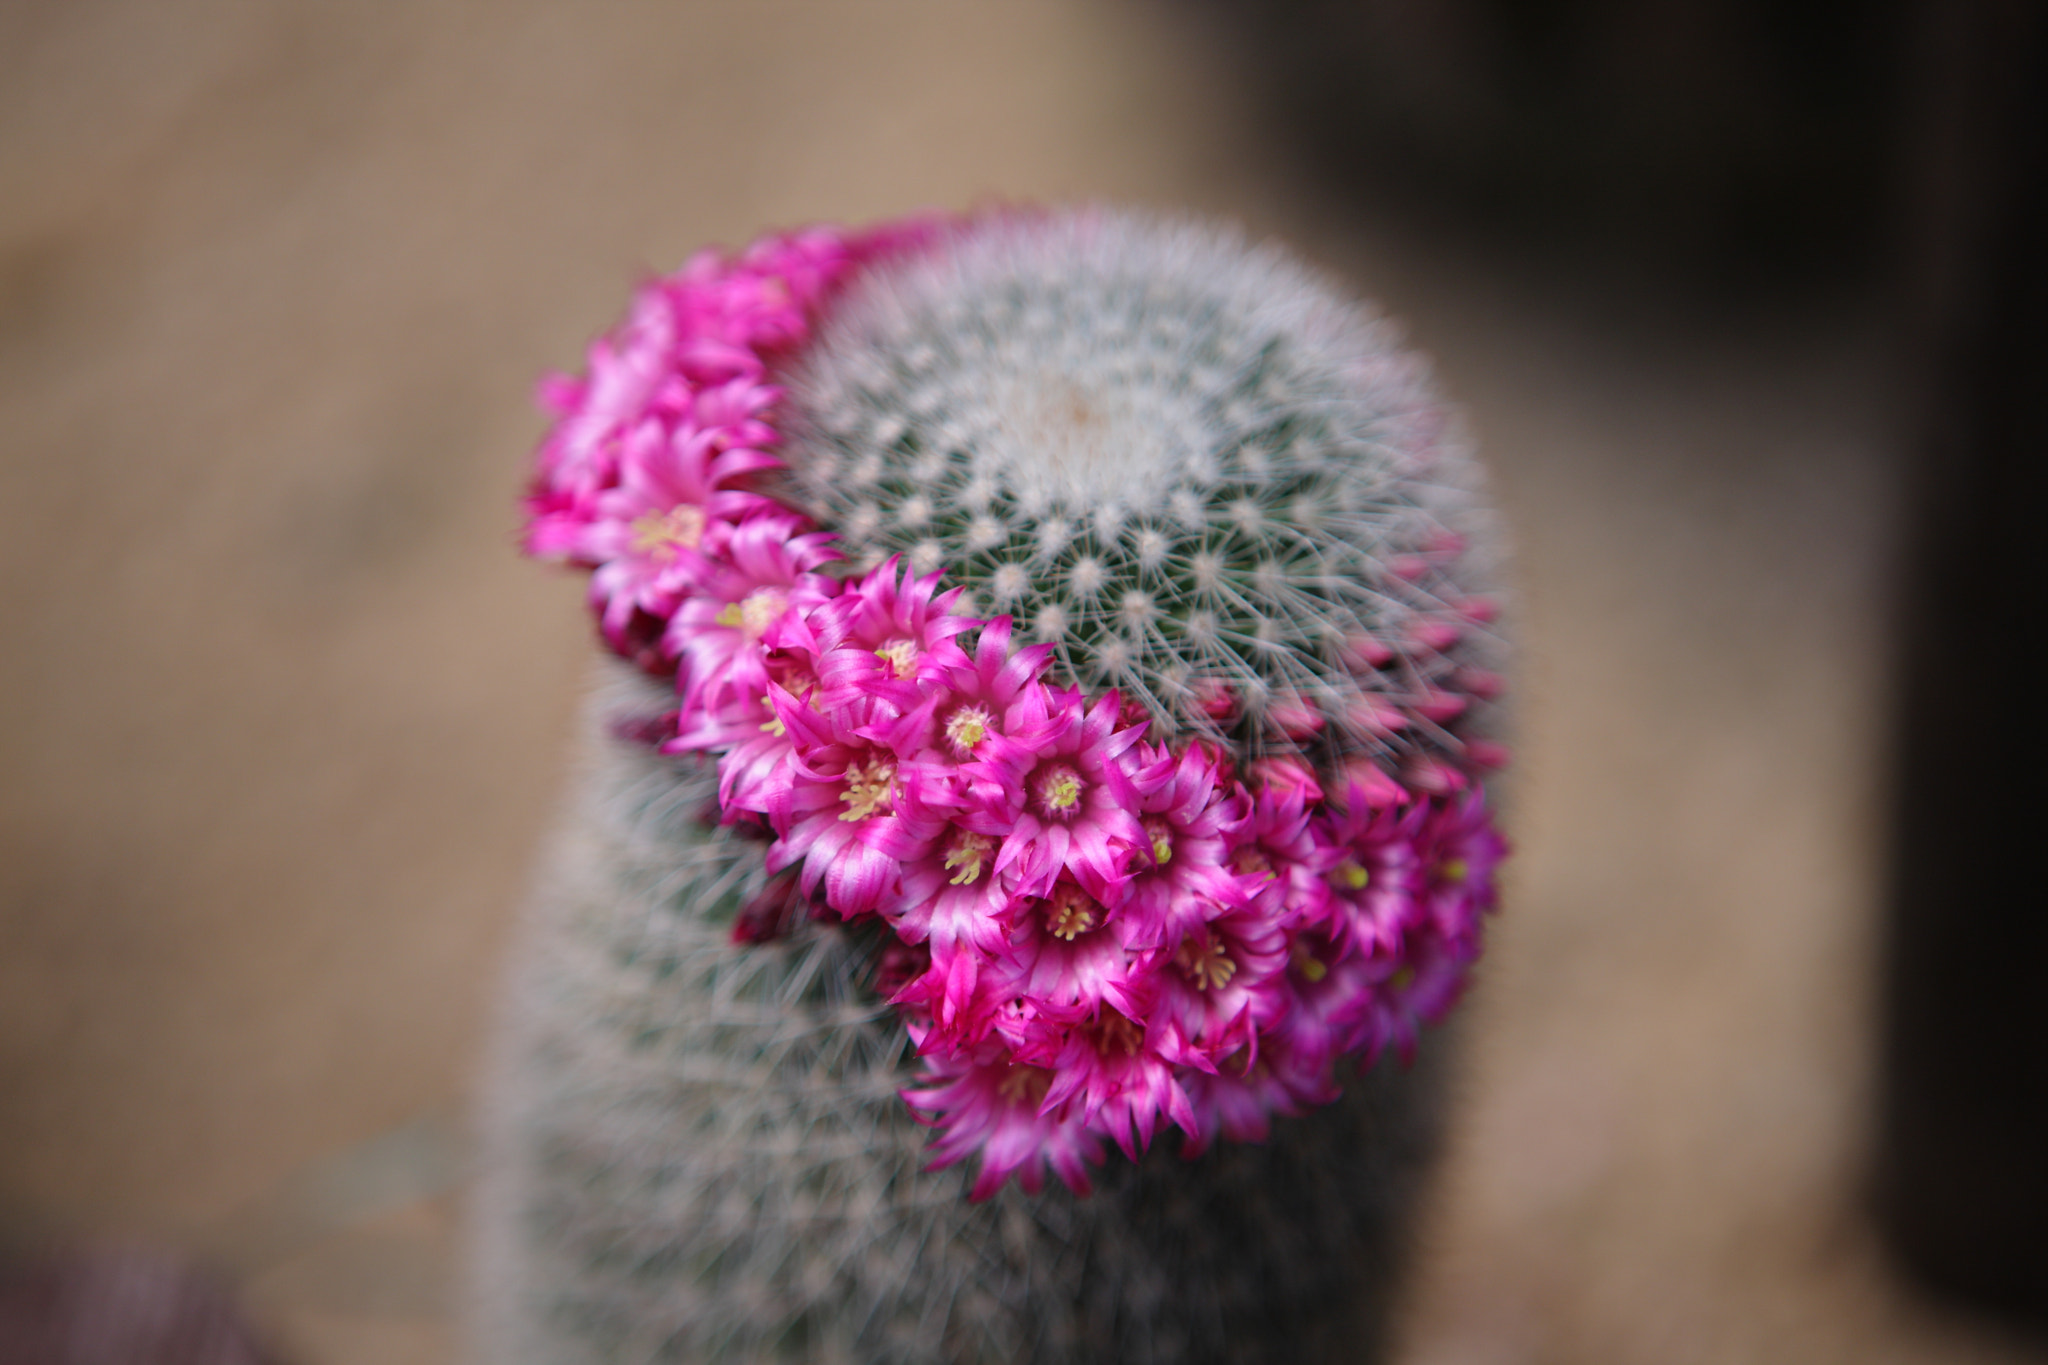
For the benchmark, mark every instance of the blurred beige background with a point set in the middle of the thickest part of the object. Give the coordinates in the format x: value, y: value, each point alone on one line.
x: 285, y: 714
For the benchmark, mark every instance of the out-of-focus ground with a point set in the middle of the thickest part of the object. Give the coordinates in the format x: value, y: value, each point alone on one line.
x: 284, y: 714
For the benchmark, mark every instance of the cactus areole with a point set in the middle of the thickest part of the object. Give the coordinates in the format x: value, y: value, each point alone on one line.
x: 1092, y: 601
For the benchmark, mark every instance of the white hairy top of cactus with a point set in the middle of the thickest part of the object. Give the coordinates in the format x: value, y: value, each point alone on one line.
x: 1175, y: 457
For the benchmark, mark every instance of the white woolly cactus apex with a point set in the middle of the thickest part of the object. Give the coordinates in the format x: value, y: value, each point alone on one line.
x: 1182, y: 462
x: 842, y: 842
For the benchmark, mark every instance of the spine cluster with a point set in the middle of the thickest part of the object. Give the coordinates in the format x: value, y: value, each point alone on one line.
x: 1213, y: 823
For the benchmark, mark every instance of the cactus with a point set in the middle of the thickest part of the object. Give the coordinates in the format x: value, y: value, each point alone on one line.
x: 1196, y: 474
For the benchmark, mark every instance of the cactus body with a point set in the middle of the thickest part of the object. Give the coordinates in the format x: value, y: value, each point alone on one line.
x: 1183, y: 465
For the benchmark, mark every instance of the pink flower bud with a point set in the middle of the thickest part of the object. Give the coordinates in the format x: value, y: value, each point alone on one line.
x: 1286, y: 773
x: 1297, y: 718
x: 1484, y: 753
x: 1441, y: 707
x: 1433, y: 635
x: 1215, y: 699
x: 1367, y: 784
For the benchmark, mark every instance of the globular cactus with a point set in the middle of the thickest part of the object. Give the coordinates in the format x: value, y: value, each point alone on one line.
x: 1195, y: 474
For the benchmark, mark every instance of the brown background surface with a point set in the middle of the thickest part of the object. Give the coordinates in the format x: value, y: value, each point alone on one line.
x: 284, y: 714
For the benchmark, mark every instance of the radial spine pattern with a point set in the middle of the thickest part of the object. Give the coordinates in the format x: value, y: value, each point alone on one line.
x: 1180, y: 461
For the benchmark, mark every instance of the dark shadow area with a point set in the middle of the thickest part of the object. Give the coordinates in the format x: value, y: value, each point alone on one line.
x: 1736, y: 149
x: 1962, y: 1173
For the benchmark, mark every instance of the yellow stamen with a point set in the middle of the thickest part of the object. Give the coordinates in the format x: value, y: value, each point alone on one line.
x: 966, y: 728
x: 1070, y: 912
x: 901, y: 656
x: 1059, y: 790
x: 1352, y: 874
x: 870, y: 788
x: 1454, y: 871
x: 1205, y: 964
x: 658, y: 535
x: 1307, y: 963
x: 1161, y: 835
x: 966, y: 855
x: 759, y: 609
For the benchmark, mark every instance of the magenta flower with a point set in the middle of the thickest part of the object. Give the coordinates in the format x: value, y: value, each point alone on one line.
x: 952, y: 895
x: 1238, y: 1099
x: 1329, y: 984
x: 1459, y: 850
x: 884, y: 630
x: 654, y: 537
x: 1189, y: 816
x: 1279, y: 851
x: 997, y: 1108
x: 1071, y: 788
x: 1375, y: 872
x: 764, y: 571
x: 1219, y: 988
x: 1121, y: 1087
x: 990, y: 709
x: 1066, y: 956
x: 1416, y: 987
x: 627, y: 371
x: 834, y: 802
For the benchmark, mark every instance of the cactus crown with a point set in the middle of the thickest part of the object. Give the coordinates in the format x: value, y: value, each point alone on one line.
x: 1175, y: 460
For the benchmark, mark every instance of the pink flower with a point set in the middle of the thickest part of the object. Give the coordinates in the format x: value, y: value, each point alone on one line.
x: 1071, y: 788
x: 884, y: 630
x: 1417, y: 987
x: 1375, y: 872
x: 1188, y: 817
x: 1238, y: 1099
x: 1219, y: 987
x: 1066, y: 957
x: 951, y: 893
x: 1122, y: 1087
x: 1329, y: 986
x: 653, y: 538
x: 834, y: 802
x: 765, y: 570
x: 1459, y: 850
x: 1280, y: 854
x: 988, y: 707
x: 996, y: 1107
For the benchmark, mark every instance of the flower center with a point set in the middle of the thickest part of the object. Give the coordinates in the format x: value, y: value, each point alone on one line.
x: 1070, y: 912
x: 1205, y: 964
x: 1059, y: 790
x: 658, y: 535
x: 1303, y: 959
x: 965, y: 857
x: 1351, y: 875
x: 1456, y: 870
x: 754, y: 613
x: 1113, y: 1031
x: 1249, y: 859
x: 968, y: 727
x: 870, y: 788
x: 1025, y: 1086
x: 1160, y: 834
x: 900, y: 655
